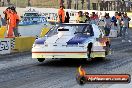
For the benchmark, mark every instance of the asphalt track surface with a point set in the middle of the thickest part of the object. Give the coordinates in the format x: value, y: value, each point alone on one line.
x: 21, y: 71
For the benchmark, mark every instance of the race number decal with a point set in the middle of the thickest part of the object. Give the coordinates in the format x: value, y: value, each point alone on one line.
x: 5, y: 46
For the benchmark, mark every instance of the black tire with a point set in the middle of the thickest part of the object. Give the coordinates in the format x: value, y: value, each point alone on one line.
x: 41, y: 59
x: 81, y: 80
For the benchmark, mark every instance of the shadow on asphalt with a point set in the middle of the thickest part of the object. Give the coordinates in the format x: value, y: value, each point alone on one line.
x: 73, y: 62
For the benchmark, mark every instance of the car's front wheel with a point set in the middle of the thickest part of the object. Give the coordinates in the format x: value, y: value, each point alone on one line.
x: 41, y: 59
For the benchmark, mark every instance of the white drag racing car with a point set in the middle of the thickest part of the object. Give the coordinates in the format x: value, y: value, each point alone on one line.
x: 72, y: 40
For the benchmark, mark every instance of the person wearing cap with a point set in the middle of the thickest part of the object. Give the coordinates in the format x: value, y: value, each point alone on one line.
x: 61, y: 15
x: 124, y: 22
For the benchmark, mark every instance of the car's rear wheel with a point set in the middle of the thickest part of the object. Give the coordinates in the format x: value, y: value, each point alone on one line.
x: 81, y: 80
x: 41, y: 59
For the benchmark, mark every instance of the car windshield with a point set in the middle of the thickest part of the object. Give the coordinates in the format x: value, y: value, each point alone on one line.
x: 53, y: 30
x: 79, y: 29
x: 31, y: 14
x: 87, y: 29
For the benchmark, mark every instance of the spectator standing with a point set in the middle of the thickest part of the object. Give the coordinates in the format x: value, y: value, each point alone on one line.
x: 106, y: 5
x: 67, y: 17
x: 123, y: 6
x: 87, y: 17
x: 128, y: 5
x: 118, y: 18
x: 121, y: 26
x: 69, y: 4
x: 82, y: 2
x: 15, y: 30
x: 2, y: 3
x: 88, y: 4
x: 29, y: 2
x: 124, y: 22
x: 61, y: 2
x: 94, y: 4
x: 107, y: 21
x: 6, y: 13
x: 61, y: 14
x: 117, y: 5
x: 101, y: 5
x: 80, y: 18
x: 114, y: 18
x: 94, y: 18
x: 0, y: 21
x: 12, y: 23
x: 76, y: 4
x: 8, y: 2
x: 113, y: 24
x: 110, y: 3
x: 131, y: 5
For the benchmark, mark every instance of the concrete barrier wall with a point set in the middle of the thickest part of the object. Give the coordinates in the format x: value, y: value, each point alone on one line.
x: 23, y: 44
x: 44, y: 32
x: 18, y: 44
x: 5, y: 45
x: 130, y: 15
x: 2, y: 31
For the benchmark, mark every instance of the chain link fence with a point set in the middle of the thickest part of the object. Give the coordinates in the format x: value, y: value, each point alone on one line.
x: 102, y: 5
